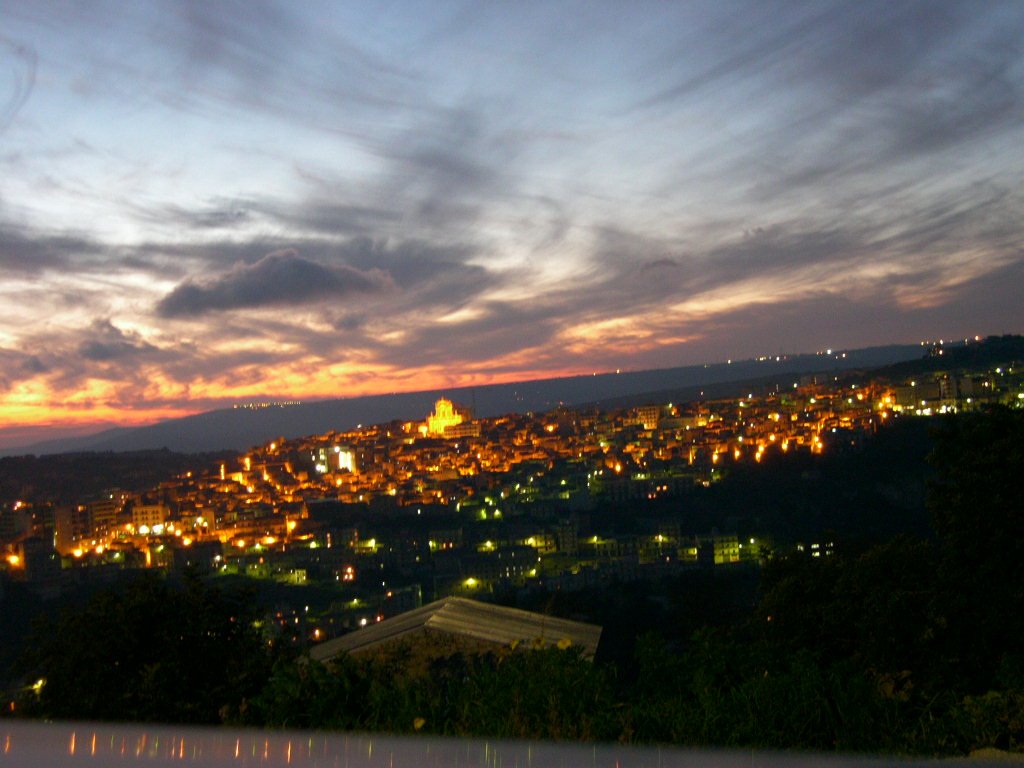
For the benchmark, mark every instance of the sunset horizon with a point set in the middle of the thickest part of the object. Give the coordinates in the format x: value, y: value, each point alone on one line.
x: 26, y: 435
x: 214, y: 203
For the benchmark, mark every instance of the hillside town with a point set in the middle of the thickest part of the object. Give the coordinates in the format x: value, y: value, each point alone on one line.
x: 392, y: 514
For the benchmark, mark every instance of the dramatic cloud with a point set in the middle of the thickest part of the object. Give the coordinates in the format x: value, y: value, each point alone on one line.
x: 110, y: 343
x: 37, y: 252
x: 466, y: 193
x: 278, y: 279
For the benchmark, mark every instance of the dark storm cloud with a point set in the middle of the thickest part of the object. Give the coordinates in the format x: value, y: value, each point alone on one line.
x: 428, y: 281
x: 100, y: 350
x: 278, y: 279
x: 105, y: 352
x: 34, y: 252
x: 109, y: 343
x: 31, y: 364
x: 425, y: 272
x: 16, y: 365
x: 348, y: 323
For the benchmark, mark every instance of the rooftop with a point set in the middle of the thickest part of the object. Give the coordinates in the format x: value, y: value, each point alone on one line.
x: 469, y: 619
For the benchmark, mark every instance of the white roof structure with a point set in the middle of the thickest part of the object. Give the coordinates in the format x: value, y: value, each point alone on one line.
x: 466, y: 619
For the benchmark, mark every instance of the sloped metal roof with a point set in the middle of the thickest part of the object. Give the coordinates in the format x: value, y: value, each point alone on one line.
x: 461, y: 617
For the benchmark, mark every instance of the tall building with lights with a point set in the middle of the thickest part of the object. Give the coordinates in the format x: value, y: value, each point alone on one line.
x: 450, y: 420
x: 335, y: 459
x: 443, y: 417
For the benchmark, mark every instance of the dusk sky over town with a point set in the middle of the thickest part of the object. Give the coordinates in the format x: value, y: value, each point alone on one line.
x: 205, y: 203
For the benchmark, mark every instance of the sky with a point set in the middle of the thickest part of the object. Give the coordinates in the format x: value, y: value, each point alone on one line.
x: 211, y: 202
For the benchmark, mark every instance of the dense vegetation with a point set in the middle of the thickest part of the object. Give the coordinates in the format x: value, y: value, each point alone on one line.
x: 914, y: 644
x: 154, y: 651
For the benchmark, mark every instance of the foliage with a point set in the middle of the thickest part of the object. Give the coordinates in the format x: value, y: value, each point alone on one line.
x: 910, y: 645
x: 152, y: 651
x: 310, y: 695
x: 546, y: 693
x: 979, y: 518
x: 994, y: 719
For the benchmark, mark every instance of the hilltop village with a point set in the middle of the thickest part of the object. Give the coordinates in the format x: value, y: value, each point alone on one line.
x: 391, y: 514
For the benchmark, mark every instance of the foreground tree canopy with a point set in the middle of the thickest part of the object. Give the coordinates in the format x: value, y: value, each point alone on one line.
x: 152, y: 651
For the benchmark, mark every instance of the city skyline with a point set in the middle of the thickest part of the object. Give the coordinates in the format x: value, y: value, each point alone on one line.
x: 212, y: 203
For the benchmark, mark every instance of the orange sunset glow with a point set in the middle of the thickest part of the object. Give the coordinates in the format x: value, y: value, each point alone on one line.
x: 204, y: 207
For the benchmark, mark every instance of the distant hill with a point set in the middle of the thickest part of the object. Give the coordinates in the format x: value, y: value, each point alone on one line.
x: 69, y: 478
x: 242, y: 428
x: 994, y: 350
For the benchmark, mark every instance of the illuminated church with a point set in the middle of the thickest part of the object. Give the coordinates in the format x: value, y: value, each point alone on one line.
x: 450, y: 420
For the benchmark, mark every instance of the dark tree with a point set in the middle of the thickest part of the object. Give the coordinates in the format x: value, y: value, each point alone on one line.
x: 151, y: 651
x: 978, y: 509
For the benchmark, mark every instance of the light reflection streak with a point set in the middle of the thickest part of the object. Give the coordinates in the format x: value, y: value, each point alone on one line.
x: 47, y: 745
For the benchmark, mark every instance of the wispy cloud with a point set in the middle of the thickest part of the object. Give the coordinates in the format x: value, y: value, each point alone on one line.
x: 22, y: 77
x: 34, y: 252
x: 204, y: 201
